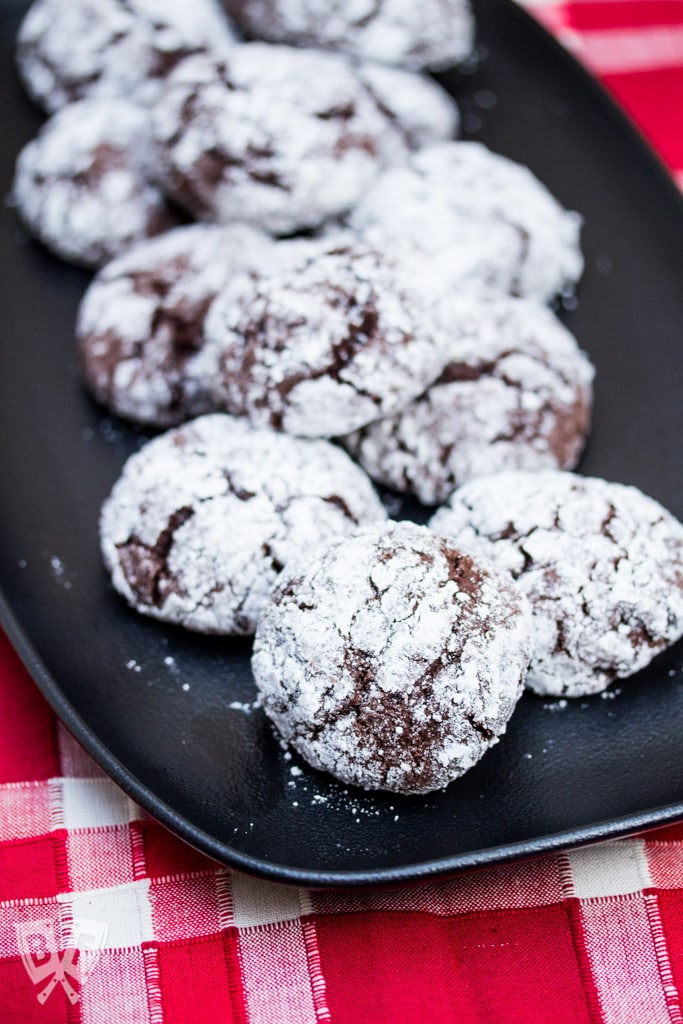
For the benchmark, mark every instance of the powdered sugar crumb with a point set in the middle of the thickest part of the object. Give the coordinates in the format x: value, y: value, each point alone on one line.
x: 557, y: 705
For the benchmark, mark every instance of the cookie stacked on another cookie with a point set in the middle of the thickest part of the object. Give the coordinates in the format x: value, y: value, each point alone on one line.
x: 470, y: 218
x: 284, y: 139
x: 334, y: 339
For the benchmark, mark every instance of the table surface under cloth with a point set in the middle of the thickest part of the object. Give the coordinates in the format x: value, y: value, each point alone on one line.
x: 593, y: 936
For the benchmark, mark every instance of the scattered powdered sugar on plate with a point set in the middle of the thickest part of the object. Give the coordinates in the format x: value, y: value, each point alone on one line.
x: 247, y: 708
x: 61, y: 574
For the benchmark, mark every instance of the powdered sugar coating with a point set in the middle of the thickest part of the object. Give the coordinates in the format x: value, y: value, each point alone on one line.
x: 70, y: 49
x: 601, y: 564
x: 203, y: 518
x: 516, y: 395
x: 273, y: 136
x: 429, y: 34
x: 420, y: 108
x: 82, y: 186
x: 336, y: 339
x: 477, y: 218
x: 392, y: 659
x: 141, y: 322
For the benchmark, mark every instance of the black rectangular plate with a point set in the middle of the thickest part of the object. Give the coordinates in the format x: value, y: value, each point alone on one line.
x: 214, y: 773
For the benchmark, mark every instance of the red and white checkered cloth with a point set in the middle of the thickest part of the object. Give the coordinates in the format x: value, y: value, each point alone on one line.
x: 590, y: 937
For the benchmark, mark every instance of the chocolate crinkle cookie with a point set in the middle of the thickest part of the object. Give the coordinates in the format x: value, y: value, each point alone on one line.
x: 83, y: 187
x: 420, y: 109
x: 277, y: 137
x: 391, y: 658
x: 70, y: 49
x: 141, y: 322
x: 516, y: 394
x: 425, y: 34
x: 601, y: 564
x: 334, y: 340
x: 203, y: 519
x: 476, y: 217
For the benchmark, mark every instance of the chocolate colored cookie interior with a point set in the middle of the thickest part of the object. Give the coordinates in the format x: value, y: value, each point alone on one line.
x: 391, y: 658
